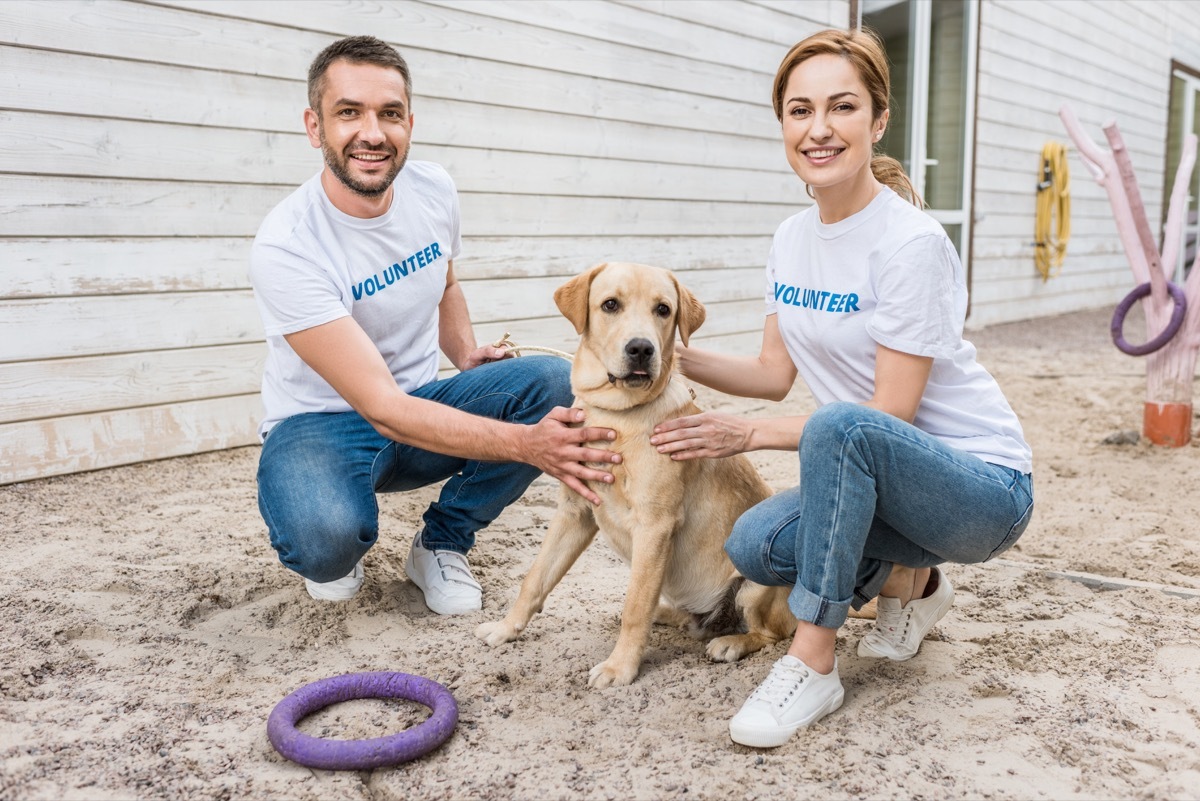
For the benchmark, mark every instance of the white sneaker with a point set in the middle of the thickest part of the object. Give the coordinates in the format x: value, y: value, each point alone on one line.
x: 791, y: 697
x: 899, y: 630
x: 342, y: 589
x: 445, y: 578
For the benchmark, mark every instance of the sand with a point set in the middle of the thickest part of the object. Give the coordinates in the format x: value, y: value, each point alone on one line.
x: 147, y: 630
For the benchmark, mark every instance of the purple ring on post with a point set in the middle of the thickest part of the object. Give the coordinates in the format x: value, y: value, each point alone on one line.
x: 1139, y: 292
x: 376, y: 752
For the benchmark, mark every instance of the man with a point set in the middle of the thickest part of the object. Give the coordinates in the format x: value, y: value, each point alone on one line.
x: 353, y: 274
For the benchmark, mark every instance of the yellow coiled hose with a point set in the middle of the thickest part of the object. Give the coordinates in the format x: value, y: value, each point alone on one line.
x: 1052, y: 224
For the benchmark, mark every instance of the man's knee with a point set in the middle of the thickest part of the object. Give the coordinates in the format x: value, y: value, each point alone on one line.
x: 545, y: 381
x: 324, y: 549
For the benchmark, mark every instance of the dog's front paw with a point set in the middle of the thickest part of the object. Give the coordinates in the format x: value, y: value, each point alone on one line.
x: 610, y: 674
x: 734, y: 647
x: 498, y: 632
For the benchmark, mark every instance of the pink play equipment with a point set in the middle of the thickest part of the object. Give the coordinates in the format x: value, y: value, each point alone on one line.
x: 1172, y: 313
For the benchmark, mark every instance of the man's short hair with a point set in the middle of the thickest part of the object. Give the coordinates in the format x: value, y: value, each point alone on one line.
x: 357, y: 50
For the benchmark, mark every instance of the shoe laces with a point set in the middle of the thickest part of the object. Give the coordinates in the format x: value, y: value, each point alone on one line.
x: 891, y: 625
x: 454, y: 568
x: 781, y: 684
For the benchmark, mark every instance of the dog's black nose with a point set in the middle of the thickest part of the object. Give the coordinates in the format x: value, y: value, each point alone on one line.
x: 639, y: 350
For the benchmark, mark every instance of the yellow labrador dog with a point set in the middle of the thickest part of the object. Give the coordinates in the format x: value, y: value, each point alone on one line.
x: 667, y: 519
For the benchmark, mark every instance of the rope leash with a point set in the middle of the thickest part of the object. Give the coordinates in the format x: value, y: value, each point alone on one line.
x: 506, y: 342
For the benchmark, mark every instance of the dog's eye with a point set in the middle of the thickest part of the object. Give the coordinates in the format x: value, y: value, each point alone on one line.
x: 610, y: 305
x: 662, y: 310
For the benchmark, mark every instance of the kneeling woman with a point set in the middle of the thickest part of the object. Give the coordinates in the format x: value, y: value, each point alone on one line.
x: 914, y: 457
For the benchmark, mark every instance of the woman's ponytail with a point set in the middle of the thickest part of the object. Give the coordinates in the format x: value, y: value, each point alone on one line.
x: 889, y: 173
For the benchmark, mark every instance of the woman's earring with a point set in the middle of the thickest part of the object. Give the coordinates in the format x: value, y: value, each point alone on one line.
x: 808, y: 190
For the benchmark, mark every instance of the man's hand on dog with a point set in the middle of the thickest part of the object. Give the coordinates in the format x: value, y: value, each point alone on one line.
x: 558, y: 450
x: 709, y: 435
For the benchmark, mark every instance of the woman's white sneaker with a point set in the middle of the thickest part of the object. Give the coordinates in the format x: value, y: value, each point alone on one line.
x: 899, y: 630
x: 791, y: 697
x: 342, y: 589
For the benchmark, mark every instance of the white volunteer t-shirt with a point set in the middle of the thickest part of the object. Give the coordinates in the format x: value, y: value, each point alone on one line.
x: 311, y: 264
x: 888, y: 275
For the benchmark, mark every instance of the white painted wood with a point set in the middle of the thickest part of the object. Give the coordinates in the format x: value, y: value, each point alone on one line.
x: 783, y: 27
x: 73, y: 444
x: 415, y: 24
x: 94, y: 148
x: 41, y: 268
x: 608, y: 23
x: 254, y: 107
x: 55, y: 328
x: 49, y: 206
x: 34, y: 390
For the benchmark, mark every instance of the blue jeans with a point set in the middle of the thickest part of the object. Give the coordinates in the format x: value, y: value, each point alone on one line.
x: 318, y: 473
x: 875, y: 491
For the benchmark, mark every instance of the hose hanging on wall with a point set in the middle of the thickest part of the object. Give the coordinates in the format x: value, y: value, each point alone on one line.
x: 1052, y: 224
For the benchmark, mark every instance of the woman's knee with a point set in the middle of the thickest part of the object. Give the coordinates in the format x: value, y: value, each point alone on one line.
x: 750, y: 547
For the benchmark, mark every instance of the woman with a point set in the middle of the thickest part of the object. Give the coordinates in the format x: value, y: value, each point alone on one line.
x: 913, y: 458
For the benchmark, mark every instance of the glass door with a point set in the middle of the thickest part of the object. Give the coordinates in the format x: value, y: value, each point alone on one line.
x: 1184, y: 119
x: 931, y: 47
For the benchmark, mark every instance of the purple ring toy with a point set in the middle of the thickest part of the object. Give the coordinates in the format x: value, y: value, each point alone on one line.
x: 376, y: 752
x: 1118, y: 321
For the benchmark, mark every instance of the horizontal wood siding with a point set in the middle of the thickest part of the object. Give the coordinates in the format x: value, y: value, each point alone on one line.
x: 1108, y: 61
x: 141, y: 144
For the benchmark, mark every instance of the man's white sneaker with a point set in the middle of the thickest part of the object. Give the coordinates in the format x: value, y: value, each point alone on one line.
x: 342, y: 589
x: 445, y: 578
x: 899, y: 630
x: 791, y: 697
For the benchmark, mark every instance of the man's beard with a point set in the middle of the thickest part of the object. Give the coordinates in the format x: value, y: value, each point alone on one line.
x: 339, y: 165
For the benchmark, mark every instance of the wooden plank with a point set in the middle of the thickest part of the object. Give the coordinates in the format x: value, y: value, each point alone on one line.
x: 516, y: 257
x: 32, y: 206
x: 96, y: 148
x: 417, y: 24
x: 1077, y: 36
x: 55, y: 328
x: 66, y: 83
x: 133, y: 41
x: 103, y: 86
x: 42, y: 268
x: 778, y: 27
x: 40, y: 448
x: 629, y: 25
x: 60, y: 387
x: 53, y: 206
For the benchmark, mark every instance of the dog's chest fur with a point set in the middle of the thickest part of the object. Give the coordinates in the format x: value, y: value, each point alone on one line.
x: 647, y: 484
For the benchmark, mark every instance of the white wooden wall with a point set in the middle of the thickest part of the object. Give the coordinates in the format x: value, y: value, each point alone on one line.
x: 141, y: 143
x: 1109, y: 61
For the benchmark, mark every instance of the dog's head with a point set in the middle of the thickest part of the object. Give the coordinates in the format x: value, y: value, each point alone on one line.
x: 627, y: 316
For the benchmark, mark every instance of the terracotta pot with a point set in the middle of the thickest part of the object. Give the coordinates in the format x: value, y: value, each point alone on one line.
x: 1168, y: 424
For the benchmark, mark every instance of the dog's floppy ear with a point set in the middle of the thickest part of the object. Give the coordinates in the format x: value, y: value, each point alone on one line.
x: 572, y: 297
x: 691, y: 311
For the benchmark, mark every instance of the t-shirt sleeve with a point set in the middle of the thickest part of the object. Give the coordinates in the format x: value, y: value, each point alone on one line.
x: 293, y: 293
x: 770, y: 287
x: 917, y: 292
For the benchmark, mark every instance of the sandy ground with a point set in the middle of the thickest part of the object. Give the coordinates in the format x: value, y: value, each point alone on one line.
x: 147, y: 630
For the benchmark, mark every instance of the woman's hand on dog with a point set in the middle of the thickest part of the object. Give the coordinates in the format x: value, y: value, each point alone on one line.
x: 558, y: 450
x: 708, y: 435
